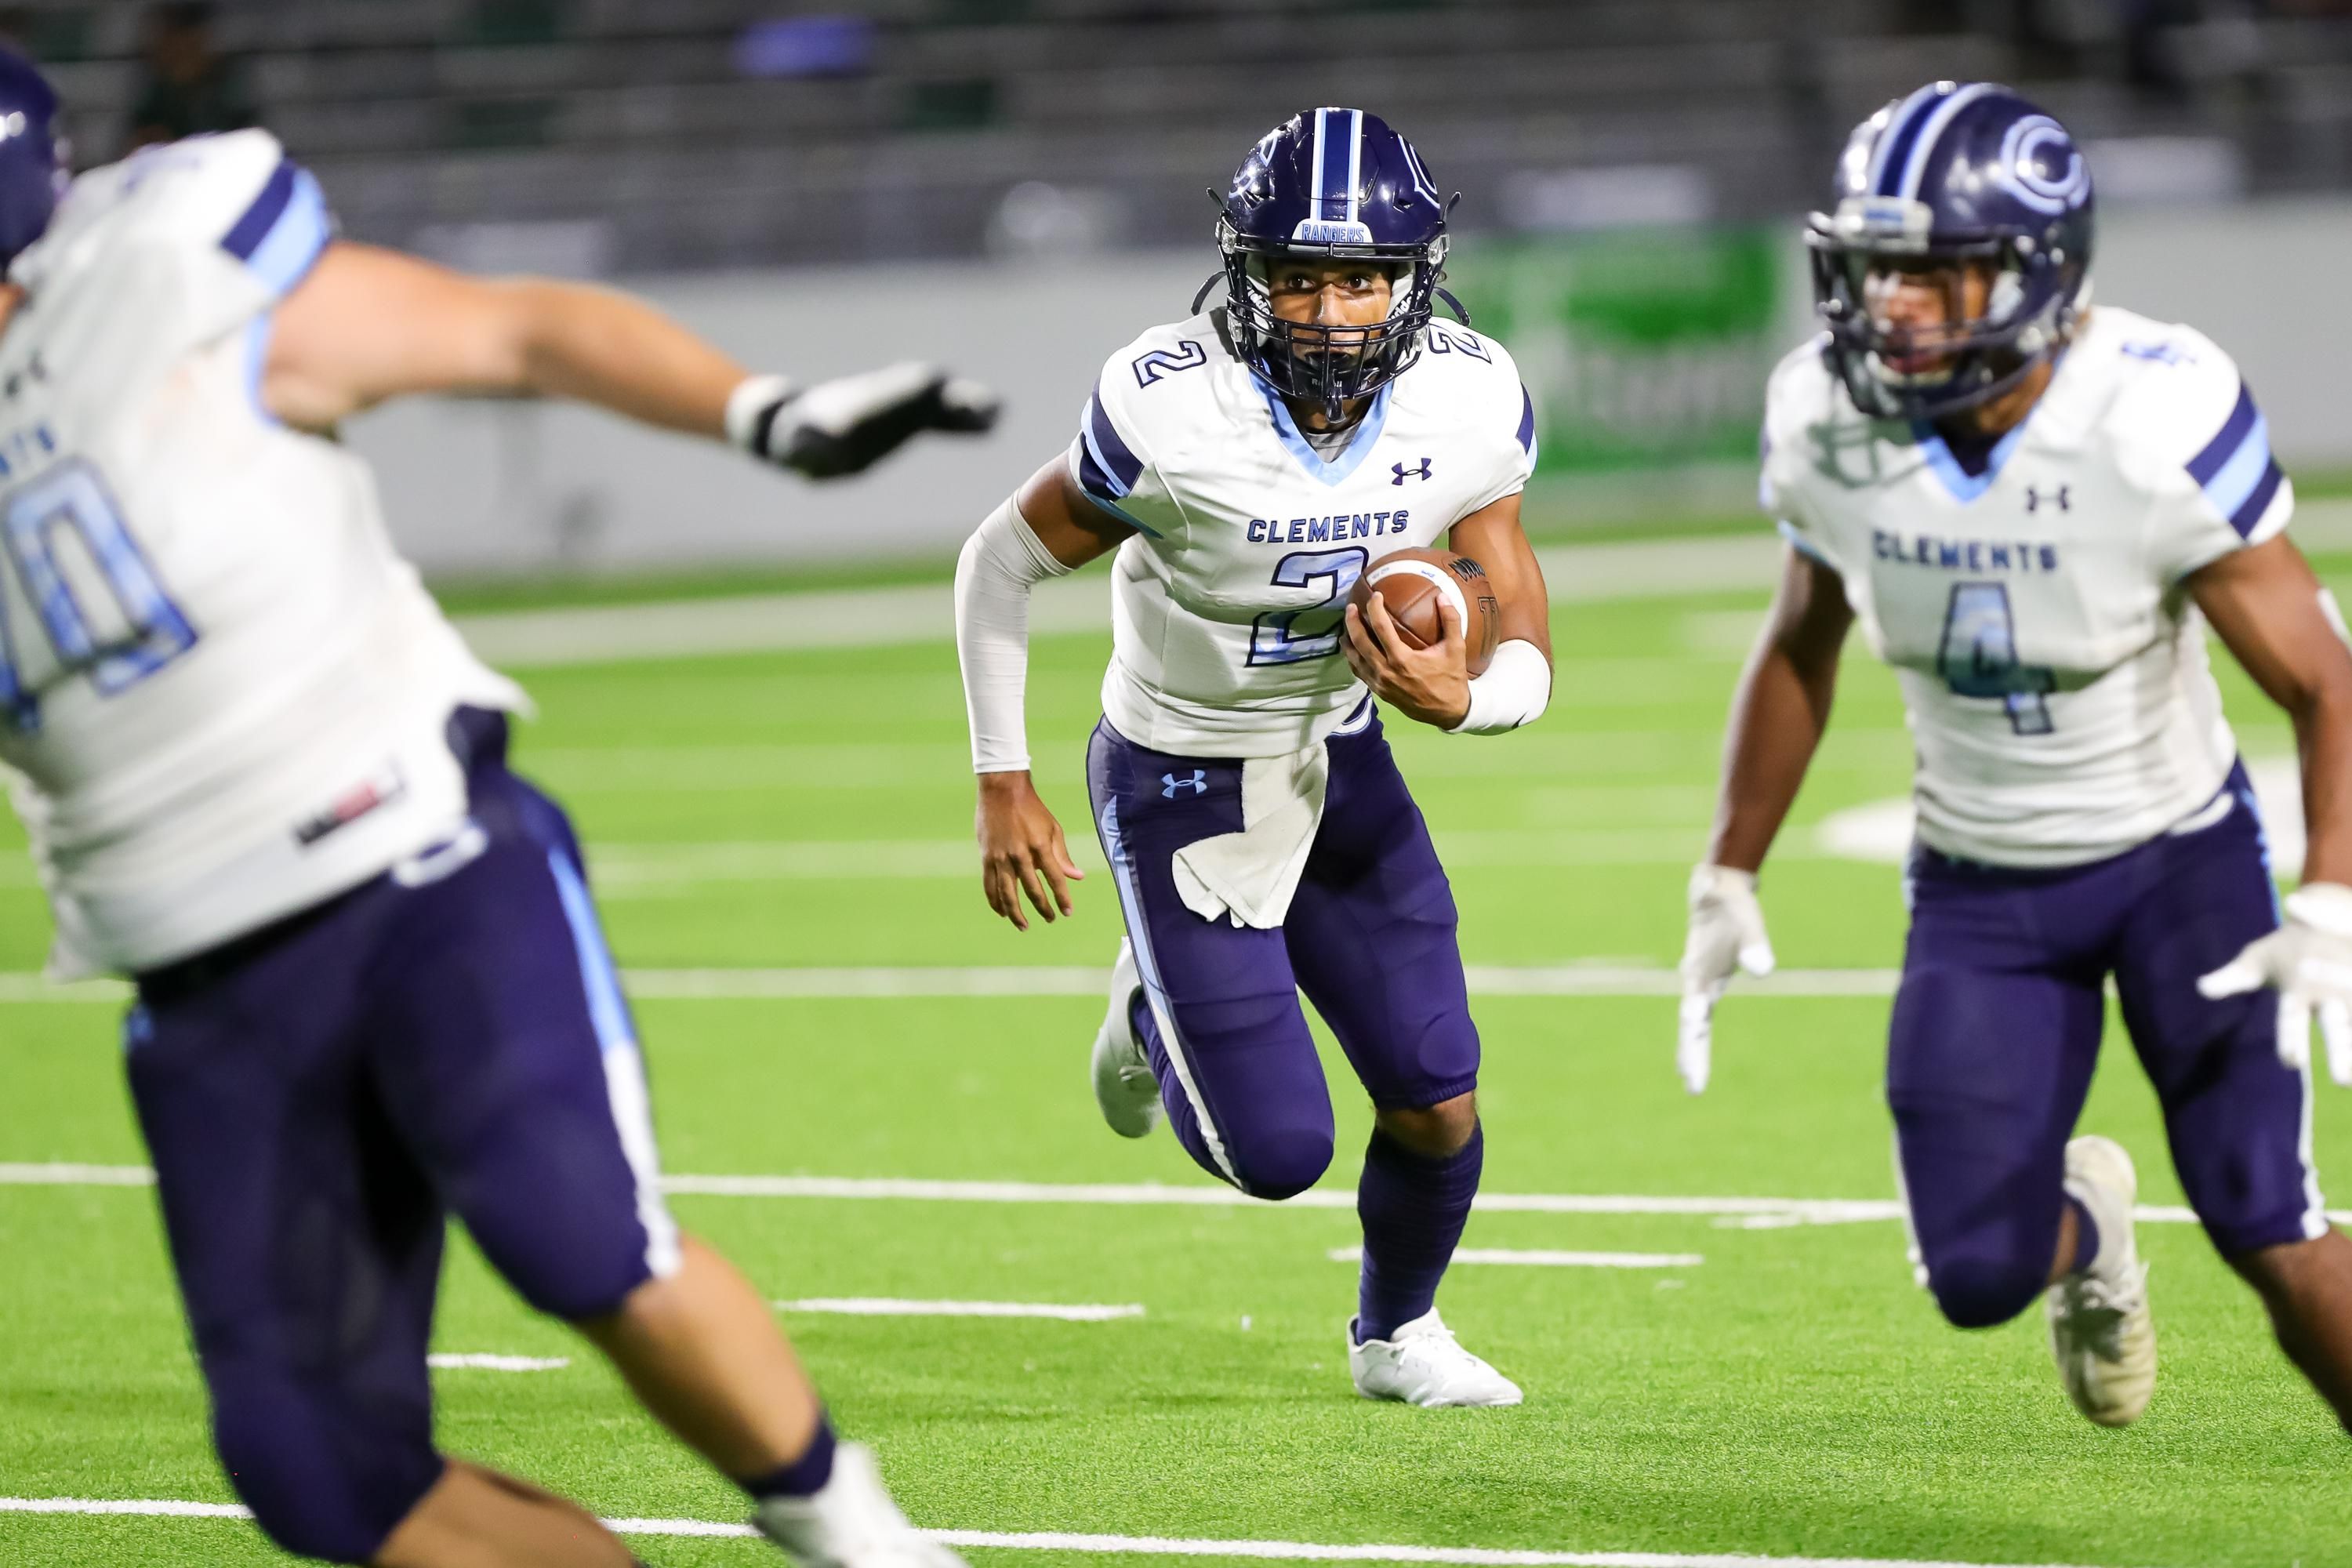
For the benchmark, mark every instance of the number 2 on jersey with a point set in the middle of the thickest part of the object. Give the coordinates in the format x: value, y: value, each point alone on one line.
x: 1978, y: 656
x: 90, y: 586
x: 1274, y: 637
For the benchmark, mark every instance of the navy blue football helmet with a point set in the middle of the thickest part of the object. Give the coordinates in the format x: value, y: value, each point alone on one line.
x: 1330, y: 184
x: 1954, y: 176
x: 33, y: 157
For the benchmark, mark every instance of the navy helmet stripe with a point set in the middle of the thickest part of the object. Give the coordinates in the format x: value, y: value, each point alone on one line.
x: 1931, y: 130
x: 1117, y: 459
x: 2250, y: 512
x: 1526, y: 420
x: 245, y: 237
x: 2223, y: 446
x: 1895, y: 142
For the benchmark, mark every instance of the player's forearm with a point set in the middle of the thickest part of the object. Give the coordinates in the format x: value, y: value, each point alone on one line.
x: 1776, y: 721
x: 2322, y: 736
x: 596, y: 345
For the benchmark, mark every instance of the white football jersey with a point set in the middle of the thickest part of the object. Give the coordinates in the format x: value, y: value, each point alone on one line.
x: 222, y: 695
x: 2052, y: 660
x: 1227, y: 603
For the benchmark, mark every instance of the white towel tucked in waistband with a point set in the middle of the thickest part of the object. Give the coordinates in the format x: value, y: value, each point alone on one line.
x: 1250, y: 876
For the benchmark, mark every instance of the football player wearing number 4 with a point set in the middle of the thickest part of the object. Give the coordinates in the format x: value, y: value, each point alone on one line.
x: 264, y: 777
x: 2035, y: 509
x: 1248, y: 464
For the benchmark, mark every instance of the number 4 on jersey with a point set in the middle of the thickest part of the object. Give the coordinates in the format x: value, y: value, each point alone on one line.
x: 1978, y: 656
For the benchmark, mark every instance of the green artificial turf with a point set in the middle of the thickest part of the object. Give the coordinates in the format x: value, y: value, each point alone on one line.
x: 1794, y: 1394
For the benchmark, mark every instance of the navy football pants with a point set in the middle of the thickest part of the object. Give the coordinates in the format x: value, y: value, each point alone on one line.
x: 319, y: 1096
x: 1997, y: 1027
x: 1370, y: 938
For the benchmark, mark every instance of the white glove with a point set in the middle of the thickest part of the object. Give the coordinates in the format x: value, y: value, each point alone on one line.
x: 1726, y: 933
x: 845, y: 427
x: 2308, y: 960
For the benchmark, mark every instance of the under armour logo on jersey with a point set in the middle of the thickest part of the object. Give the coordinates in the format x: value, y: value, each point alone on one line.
x: 2034, y: 498
x: 1198, y: 783
x: 1404, y: 473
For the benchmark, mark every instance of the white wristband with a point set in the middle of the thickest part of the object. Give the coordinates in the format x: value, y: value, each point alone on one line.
x: 1515, y: 690
x: 751, y: 411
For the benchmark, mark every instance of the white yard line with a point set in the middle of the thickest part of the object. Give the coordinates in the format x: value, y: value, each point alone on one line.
x: 892, y: 1306
x: 1591, y: 758
x: 1505, y: 1256
x: 468, y: 1362
x: 69, y: 1176
x: 1745, y: 1212
x: 634, y: 871
x: 22, y: 987
x: 1125, y: 1545
x: 638, y: 872
x: 925, y: 612
x: 1046, y: 980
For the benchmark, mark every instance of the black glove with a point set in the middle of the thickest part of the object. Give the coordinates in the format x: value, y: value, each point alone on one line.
x: 845, y: 427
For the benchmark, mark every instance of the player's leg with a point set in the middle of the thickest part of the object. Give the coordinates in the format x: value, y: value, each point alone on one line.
x: 1215, y: 1007
x: 1994, y: 1036
x: 2239, y: 1121
x: 478, y: 1516
x: 510, y: 1062
x: 1372, y: 935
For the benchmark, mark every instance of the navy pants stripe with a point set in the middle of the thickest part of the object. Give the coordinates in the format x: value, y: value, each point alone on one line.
x: 1370, y: 937
x: 1996, y: 1031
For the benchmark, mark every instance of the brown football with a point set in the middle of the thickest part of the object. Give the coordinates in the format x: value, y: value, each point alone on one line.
x: 1413, y: 582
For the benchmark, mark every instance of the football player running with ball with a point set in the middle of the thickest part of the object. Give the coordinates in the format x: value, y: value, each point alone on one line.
x: 264, y: 777
x: 2035, y: 509
x: 1248, y: 465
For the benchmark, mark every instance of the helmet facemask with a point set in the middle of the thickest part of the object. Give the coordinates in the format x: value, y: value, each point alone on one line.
x: 2035, y: 297
x: 1328, y: 366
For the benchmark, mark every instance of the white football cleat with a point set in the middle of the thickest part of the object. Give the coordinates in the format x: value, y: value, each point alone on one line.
x: 2102, y: 1333
x: 850, y: 1523
x: 1423, y: 1365
x: 1125, y: 1086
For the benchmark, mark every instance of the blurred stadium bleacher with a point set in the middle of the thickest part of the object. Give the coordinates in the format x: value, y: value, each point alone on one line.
x: 663, y: 135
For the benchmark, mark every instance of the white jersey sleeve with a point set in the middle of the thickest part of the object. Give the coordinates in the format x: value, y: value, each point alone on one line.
x: 198, y: 239
x: 1111, y: 459
x: 1501, y: 417
x: 2202, y: 452
x: 1793, y: 400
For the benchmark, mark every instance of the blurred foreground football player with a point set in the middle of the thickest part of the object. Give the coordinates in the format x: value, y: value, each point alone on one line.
x: 1246, y: 465
x: 265, y: 778
x: 2035, y: 509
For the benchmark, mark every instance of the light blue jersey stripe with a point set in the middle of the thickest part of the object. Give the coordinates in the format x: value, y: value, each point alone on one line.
x: 293, y: 243
x: 2234, y: 481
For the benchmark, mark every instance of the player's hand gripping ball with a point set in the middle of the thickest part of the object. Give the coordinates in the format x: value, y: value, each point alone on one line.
x: 1412, y: 583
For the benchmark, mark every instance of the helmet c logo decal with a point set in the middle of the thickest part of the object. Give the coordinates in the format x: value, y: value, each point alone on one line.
x: 2021, y: 170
